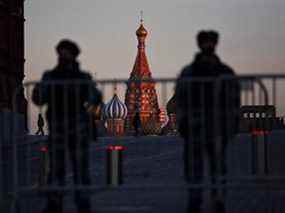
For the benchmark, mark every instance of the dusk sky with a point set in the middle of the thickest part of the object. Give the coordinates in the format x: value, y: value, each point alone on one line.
x: 252, y: 34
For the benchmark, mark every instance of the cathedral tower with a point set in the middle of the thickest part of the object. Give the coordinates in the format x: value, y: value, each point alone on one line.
x: 141, y: 94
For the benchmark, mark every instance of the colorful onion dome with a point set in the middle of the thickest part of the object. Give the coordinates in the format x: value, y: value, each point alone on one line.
x: 141, y: 31
x: 115, y: 109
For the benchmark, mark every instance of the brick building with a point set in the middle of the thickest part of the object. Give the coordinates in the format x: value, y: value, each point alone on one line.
x: 12, y: 55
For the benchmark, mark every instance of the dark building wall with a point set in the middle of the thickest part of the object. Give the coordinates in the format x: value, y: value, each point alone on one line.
x: 11, y: 53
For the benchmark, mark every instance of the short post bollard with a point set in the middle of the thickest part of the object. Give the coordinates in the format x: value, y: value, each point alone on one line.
x: 43, y: 165
x: 114, y: 165
x: 260, y: 142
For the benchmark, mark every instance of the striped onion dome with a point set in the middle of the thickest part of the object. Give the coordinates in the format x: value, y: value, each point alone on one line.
x: 115, y: 109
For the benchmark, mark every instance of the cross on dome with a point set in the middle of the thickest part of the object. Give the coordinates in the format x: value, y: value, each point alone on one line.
x: 115, y: 89
x: 141, y: 32
x: 141, y: 18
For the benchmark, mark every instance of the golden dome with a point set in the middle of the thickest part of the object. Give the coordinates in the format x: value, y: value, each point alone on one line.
x: 141, y: 32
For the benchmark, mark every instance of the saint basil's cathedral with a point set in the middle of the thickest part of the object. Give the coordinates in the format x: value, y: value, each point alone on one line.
x: 141, y: 98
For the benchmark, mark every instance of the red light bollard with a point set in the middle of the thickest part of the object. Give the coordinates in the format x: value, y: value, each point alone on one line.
x: 258, y: 132
x: 114, y: 165
x: 260, y: 153
x: 44, y: 161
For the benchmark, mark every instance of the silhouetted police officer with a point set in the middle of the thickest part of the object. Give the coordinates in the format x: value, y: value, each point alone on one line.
x: 68, y: 91
x: 207, y: 113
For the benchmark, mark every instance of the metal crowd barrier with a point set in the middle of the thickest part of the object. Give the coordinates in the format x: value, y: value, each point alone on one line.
x: 254, y: 172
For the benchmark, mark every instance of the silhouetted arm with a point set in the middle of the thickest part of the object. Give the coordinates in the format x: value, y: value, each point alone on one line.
x: 94, y: 97
x: 40, y: 92
x: 183, y: 96
x: 230, y: 102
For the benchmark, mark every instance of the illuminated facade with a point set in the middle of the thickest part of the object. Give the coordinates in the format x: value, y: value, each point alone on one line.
x: 141, y: 94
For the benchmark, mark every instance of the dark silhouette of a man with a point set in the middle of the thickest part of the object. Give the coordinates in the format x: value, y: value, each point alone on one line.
x: 137, y: 123
x: 68, y: 92
x: 41, y: 124
x: 208, y: 101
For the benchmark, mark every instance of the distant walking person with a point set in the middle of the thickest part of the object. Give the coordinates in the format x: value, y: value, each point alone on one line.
x: 41, y: 124
x: 68, y: 92
x: 137, y: 123
x: 208, y: 101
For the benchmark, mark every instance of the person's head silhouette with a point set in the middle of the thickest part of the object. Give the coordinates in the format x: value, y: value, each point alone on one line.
x: 207, y: 41
x: 67, y: 51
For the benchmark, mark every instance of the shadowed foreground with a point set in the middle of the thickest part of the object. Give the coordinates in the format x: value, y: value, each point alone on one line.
x: 157, y: 161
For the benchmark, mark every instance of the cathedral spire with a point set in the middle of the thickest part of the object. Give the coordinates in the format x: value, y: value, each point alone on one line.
x: 141, y: 67
x: 141, y: 18
x: 141, y: 34
x: 141, y: 94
